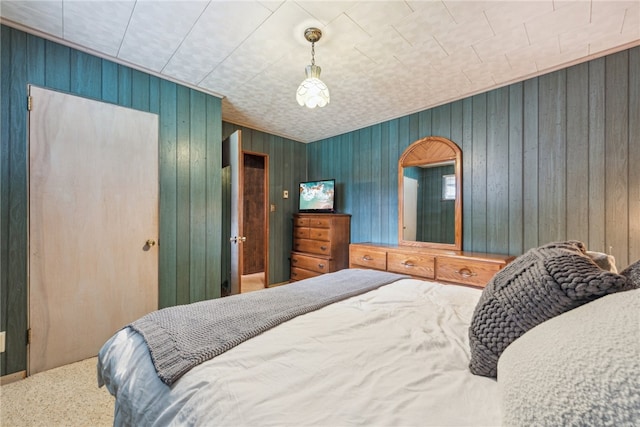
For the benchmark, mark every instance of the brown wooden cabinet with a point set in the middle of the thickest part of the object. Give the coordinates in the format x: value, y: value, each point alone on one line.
x: 466, y: 268
x: 320, y: 244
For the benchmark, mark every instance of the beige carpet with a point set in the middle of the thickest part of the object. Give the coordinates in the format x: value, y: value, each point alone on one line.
x: 64, y: 396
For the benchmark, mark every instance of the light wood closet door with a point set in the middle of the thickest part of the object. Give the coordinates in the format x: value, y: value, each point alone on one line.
x: 93, y: 224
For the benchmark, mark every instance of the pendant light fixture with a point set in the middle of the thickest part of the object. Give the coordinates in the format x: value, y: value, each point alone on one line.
x: 312, y: 92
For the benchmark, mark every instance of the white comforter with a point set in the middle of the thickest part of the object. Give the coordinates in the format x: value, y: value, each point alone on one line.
x: 398, y: 355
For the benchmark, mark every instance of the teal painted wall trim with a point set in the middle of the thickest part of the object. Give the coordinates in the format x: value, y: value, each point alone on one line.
x: 550, y: 158
x: 189, y: 161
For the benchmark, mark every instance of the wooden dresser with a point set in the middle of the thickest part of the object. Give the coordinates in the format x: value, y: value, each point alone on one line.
x: 466, y: 268
x: 320, y: 244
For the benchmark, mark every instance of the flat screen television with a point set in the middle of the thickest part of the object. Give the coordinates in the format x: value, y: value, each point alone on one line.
x: 317, y: 196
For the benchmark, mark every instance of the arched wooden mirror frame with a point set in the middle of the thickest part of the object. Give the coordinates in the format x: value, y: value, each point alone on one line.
x: 427, y: 151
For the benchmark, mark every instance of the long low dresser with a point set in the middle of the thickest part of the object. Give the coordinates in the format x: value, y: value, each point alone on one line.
x: 460, y: 267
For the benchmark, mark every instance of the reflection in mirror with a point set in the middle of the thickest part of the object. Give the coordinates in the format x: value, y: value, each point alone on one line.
x: 431, y: 192
x: 429, y: 180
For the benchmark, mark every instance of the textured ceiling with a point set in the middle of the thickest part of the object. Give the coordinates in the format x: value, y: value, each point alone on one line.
x: 380, y: 59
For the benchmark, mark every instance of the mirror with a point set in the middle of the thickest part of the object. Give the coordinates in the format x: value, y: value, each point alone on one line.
x: 430, y: 194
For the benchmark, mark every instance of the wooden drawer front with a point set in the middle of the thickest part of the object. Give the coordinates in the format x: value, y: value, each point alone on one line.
x: 301, y: 222
x: 414, y: 264
x: 301, y: 232
x: 468, y: 272
x: 301, y: 274
x: 320, y: 265
x: 312, y: 246
x: 369, y: 258
x: 319, y: 234
x: 320, y: 222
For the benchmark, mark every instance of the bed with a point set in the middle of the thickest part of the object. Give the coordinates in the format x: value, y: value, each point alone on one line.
x: 396, y: 354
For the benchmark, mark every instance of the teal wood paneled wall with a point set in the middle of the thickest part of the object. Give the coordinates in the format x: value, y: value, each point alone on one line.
x: 189, y: 162
x: 287, y: 167
x: 551, y: 158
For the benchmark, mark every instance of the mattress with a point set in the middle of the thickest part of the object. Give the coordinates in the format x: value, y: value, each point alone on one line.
x: 397, y: 355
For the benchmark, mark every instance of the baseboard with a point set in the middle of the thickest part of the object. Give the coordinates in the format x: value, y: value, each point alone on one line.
x: 273, y: 285
x: 11, y: 378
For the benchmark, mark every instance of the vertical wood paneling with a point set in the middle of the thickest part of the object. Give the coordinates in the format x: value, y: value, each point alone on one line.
x: 5, y: 85
x: 596, y: 149
x: 498, y: 170
x: 617, y: 155
x: 577, y: 152
x: 57, y: 69
x: 515, y: 179
x: 478, y: 240
x: 140, y: 90
x: 183, y: 191
x: 634, y: 155
x: 214, y: 197
x: 109, y: 83
x: 15, y: 265
x: 530, y: 163
x: 168, y: 153
x: 86, y: 74
x: 467, y: 171
x: 552, y: 157
x: 197, y: 195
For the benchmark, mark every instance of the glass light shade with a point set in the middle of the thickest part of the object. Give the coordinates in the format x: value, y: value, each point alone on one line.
x: 312, y: 92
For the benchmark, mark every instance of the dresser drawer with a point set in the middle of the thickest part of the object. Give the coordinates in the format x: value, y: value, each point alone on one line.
x: 320, y: 222
x: 301, y: 232
x: 414, y: 264
x: 312, y: 246
x: 301, y: 274
x: 466, y: 271
x: 368, y: 257
x: 300, y: 222
x: 320, y: 265
x: 319, y: 234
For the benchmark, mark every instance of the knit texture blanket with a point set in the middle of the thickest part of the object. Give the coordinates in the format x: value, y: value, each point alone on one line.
x: 182, y: 337
x: 539, y: 285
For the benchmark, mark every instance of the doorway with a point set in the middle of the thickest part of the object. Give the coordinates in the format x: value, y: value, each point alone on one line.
x: 255, y: 248
x: 234, y: 236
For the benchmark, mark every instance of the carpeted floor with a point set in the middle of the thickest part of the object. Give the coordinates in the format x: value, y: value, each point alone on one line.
x: 64, y: 396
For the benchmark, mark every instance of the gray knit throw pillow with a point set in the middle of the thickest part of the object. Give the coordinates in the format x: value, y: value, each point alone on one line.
x: 633, y: 273
x: 542, y: 283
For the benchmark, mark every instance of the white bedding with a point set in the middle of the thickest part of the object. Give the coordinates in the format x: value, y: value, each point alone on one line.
x: 398, y: 355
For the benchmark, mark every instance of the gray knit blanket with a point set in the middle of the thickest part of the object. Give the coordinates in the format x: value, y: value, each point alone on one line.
x: 179, y: 338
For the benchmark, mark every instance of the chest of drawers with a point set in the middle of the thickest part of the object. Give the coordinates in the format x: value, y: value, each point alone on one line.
x: 466, y: 268
x: 320, y: 244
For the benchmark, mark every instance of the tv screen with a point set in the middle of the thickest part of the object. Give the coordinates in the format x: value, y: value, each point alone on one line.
x: 317, y: 196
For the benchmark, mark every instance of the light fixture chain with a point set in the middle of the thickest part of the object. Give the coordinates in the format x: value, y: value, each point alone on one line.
x: 313, y: 53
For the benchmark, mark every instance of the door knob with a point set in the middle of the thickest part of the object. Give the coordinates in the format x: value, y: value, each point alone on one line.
x: 151, y: 242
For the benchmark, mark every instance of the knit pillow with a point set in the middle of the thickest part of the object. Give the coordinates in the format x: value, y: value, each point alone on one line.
x: 632, y: 273
x: 541, y: 284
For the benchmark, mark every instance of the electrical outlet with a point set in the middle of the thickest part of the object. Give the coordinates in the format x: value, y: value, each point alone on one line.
x: 285, y: 194
x: 2, y: 337
x: 273, y: 207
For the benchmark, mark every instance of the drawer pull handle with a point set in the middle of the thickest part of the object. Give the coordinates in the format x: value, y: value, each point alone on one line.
x: 367, y: 258
x: 408, y: 264
x: 320, y: 265
x: 295, y: 260
x: 324, y: 248
x: 465, y: 272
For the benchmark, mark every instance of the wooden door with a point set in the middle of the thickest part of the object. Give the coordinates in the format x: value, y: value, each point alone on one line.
x: 93, y: 224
